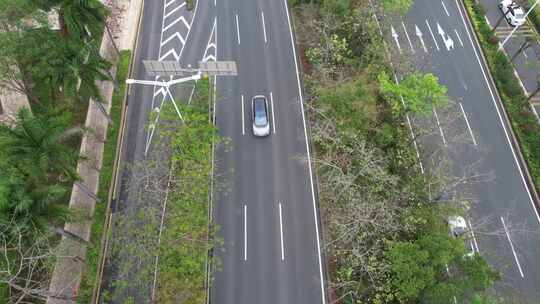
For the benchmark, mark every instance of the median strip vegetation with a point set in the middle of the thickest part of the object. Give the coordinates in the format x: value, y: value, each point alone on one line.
x: 386, y: 233
x: 163, y: 248
x: 523, y: 121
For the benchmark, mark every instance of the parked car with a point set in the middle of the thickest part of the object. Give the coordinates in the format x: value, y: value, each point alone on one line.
x: 513, y: 13
x: 261, y: 121
x: 459, y: 229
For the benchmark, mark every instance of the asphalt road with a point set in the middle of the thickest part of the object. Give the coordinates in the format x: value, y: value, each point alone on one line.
x: 163, y: 30
x: 265, y: 202
x: 264, y: 196
x: 526, y: 63
x: 475, y: 138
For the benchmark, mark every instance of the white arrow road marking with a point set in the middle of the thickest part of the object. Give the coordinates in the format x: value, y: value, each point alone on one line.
x: 512, y: 247
x: 448, y: 42
x: 395, y: 35
x: 445, y: 10
x: 432, y: 35
x: 407, y: 35
x: 419, y: 34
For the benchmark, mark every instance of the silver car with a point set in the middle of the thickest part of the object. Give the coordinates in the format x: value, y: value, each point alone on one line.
x: 261, y: 121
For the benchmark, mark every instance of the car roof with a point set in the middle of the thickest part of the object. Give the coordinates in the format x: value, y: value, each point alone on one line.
x: 259, y: 104
x: 457, y: 221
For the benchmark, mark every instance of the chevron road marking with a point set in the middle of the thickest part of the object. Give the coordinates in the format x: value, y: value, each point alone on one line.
x: 174, y: 10
x: 175, y: 35
x: 167, y: 3
x: 170, y: 52
x: 181, y: 18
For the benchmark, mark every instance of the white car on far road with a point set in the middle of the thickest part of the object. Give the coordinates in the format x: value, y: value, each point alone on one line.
x: 458, y: 228
x: 513, y: 13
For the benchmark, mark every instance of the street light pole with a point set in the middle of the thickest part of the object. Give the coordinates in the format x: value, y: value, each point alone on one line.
x: 172, y: 69
x: 167, y: 85
x: 515, y: 28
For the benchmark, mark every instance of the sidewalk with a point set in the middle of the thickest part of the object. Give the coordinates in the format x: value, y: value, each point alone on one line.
x: 527, y: 63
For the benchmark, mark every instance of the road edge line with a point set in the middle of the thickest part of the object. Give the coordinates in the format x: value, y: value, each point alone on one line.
x: 510, y: 136
x: 315, y: 209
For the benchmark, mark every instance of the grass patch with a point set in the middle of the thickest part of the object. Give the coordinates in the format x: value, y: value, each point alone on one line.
x: 522, y: 119
x: 105, y: 182
x: 534, y: 16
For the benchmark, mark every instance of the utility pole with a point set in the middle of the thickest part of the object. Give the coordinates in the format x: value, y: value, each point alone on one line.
x: 171, y: 69
x: 515, y: 28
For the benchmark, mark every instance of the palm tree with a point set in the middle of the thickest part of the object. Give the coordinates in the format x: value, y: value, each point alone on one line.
x: 80, y: 18
x: 38, y: 169
x: 84, y: 68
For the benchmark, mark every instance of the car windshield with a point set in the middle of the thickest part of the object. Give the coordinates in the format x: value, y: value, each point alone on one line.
x: 260, y: 113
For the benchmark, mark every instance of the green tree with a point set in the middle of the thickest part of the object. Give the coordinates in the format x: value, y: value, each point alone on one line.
x: 75, y: 17
x: 434, y: 268
x: 397, y: 6
x: 421, y: 93
x: 412, y: 270
x: 38, y: 169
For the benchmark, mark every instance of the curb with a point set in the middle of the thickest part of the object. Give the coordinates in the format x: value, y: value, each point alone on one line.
x: 120, y: 140
x: 531, y: 187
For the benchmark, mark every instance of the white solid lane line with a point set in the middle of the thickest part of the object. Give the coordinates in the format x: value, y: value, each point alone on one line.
x: 440, y: 128
x: 237, y: 29
x: 512, y: 247
x: 243, y: 124
x: 264, y: 27
x: 281, y: 232
x: 407, y: 35
x: 458, y: 37
x: 474, y: 238
x: 312, y: 187
x: 432, y: 35
x: 499, y: 114
x: 245, y: 232
x: 273, y: 116
x: 468, y: 125
x: 445, y: 10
